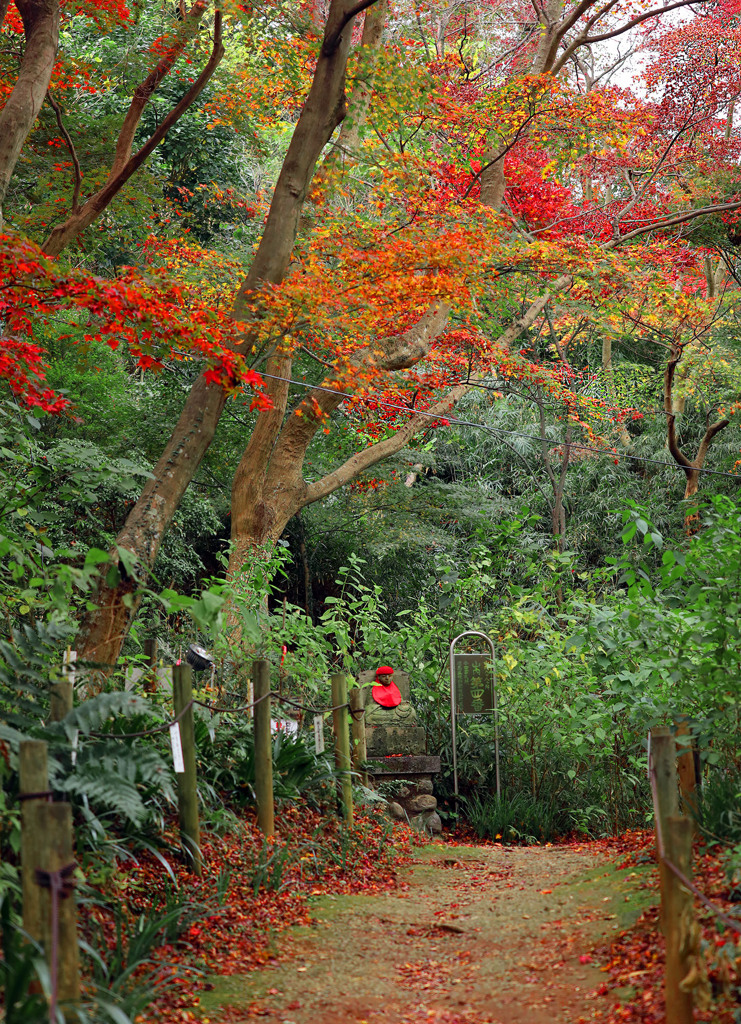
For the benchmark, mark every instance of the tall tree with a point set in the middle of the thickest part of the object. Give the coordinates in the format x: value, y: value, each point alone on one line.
x: 479, y: 224
x: 269, y: 485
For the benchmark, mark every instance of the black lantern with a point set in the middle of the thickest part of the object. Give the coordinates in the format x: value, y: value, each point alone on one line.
x: 198, y: 658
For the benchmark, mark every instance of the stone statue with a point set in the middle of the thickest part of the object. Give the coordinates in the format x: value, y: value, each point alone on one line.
x: 386, y: 693
x: 390, y: 720
x: 396, y: 748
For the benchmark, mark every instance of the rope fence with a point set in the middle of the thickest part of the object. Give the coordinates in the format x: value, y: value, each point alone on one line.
x: 355, y: 713
x: 143, y: 732
x: 687, y: 882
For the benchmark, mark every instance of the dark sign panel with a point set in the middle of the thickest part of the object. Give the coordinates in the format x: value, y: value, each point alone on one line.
x: 474, y: 683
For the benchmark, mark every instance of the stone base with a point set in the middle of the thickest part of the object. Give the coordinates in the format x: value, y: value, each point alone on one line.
x: 382, y: 740
x: 410, y: 777
x: 402, y: 766
x: 415, y: 804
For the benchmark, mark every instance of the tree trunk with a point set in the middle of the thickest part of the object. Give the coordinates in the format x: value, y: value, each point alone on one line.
x: 609, y: 375
x: 267, y: 493
x: 103, y: 631
x: 306, y: 566
x: 709, y: 277
x: 691, y: 467
x: 345, y: 149
x: 17, y: 117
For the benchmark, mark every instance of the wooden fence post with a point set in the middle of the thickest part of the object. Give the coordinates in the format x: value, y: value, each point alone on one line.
x: 150, y: 672
x: 33, y: 778
x: 58, y: 854
x: 342, y: 744
x: 664, y: 768
x: 671, y: 843
x: 686, y: 769
x: 190, y: 830
x: 678, y: 918
x: 357, y: 727
x: 47, y: 844
x: 61, y: 700
x: 263, y: 748
x: 62, y: 693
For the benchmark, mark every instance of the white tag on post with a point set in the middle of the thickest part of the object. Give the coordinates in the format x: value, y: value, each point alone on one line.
x: 319, y: 734
x: 68, y: 665
x: 177, y: 748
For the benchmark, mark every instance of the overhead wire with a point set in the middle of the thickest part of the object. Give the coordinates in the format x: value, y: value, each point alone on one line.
x: 609, y: 452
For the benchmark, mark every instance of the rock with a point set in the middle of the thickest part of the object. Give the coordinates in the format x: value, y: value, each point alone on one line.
x: 402, y: 716
x: 423, y: 802
x: 424, y: 786
x: 397, y: 811
x: 404, y: 791
x: 433, y: 823
x: 427, y: 822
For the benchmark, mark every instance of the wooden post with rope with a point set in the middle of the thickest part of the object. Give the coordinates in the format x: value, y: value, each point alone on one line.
x: 190, y: 829
x: 357, y: 729
x: 33, y: 779
x: 263, y: 748
x: 150, y: 670
x: 680, y: 929
x: 671, y: 842
x: 47, y: 876
x: 342, y: 744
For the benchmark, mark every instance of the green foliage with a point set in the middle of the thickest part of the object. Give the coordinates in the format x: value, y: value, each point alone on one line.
x: 114, y: 783
x: 227, y: 763
x: 521, y: 819
x: 125, y: 978
x: 21, y: 965
x: 732, y: 869
x: 40, y: 572
x: 133, y: 783
x: 720, y: 806
x: 269, y: 867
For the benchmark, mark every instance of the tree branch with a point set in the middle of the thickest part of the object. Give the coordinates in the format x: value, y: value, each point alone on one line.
x: 583, y: 39
x: 676, y: 453
x: 361, y: 461
x: 82, y: 218
x: 657, y: 167
x: 70, y: 146
x: 705, y: 211
x: 144, y: 91
x: 710, y: 433
x: 396, y: 353
x: 332, y: 39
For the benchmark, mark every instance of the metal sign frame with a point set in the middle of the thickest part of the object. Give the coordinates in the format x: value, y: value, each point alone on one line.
x: 473, y: 632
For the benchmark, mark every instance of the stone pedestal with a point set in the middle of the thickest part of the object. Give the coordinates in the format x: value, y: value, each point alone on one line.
x: 413, y: 798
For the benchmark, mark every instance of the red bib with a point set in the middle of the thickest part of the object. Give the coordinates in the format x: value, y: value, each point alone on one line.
x: 388, y: 695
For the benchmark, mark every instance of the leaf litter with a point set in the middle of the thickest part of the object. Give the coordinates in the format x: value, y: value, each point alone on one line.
x: 366, y: 927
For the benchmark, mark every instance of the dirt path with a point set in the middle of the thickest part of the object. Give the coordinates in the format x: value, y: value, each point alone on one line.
x: 472, y: 935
